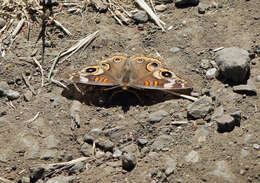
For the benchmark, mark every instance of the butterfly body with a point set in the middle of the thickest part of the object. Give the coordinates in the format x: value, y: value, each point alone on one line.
x: 139, y: 72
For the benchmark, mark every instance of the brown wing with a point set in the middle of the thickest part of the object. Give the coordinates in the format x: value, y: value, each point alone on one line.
x: 147, y: 76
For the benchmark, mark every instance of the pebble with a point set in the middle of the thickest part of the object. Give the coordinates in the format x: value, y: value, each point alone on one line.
x: 248, y: 89
x: 105, y: 145
x: 140, y: 16
x: 233, y: 63
x: 222, y: 170
x: 117, y: 153
x: 218, y: 111
x: 244, y: 153
x: 86, y: 150
x: 200, y: 108
x: 62, y: 179
x: 256, y: 146
x: 142, y: 141
x: 225, y: 122
x: 174, y: 49
x: 157, y: 116
x: 212, y: 73
x: 88, y: 139
x: 161, y: 142
x: 181, y: 3
x: 6, y: 91
x: 37, y: 172
x: 25, y: 180
x: 2, y: 113
x: 171, y: 165
x: 202, y: 8
x: 128, y: 162
x: 96, y: 131
x: 161, y: 8
x: 192, y: 157
x: 77, y: 168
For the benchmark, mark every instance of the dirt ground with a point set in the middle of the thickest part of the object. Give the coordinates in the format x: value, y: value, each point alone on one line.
x: 194, y: 152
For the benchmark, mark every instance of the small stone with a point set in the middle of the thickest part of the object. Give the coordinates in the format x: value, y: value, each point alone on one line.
x: 233, y: 64
x: 202, y: 8
x: 2, y: 113
x: 225, y: 123
x: 51, y: 142
x: 142, y: 142
x: 256, y: 146
x: 106, y: 145
x: 128, y: 162
x: 161, y: 142
x: 25, y: 180
x: 212, y: 73
x: 77, y: 168
x: 244, y: 153
x: 86, y: 150
x: 140, y: 16
x: 192, y: 157
x: 201, y: 107
x: 248, y: 89
x: 6, y: 91
x: 117, y: 153
x: 62, y: 179
x: 96, y: 131
x: 37, y: 172
x: 219, y: 111
x: 157, y: 116
x: 161, y: 8
x: 99, y: 154
x: 174, y: 49
x: 182, y: 3
x: 88, y: 139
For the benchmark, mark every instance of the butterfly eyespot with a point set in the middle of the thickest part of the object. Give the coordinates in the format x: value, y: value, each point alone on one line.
x: 91, y: 69
x: 117, y: 59
x: 140, y: 60
x: 166, y: 74
x: 152, y: 66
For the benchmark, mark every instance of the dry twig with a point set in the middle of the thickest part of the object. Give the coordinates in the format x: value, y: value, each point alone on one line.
x: 41, y: 69
x: 27, y: 83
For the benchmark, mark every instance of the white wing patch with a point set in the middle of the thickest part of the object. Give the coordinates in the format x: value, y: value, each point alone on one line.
x: 170, y: 84
x: 83, y: 79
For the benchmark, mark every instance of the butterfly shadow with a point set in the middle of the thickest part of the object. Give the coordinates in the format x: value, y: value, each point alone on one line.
x: 101, y: 96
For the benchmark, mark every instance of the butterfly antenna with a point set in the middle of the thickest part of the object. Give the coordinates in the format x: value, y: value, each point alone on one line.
x: 182, y: 95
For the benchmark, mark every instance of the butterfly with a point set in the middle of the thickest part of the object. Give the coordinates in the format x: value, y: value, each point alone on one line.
x: 140, y: 72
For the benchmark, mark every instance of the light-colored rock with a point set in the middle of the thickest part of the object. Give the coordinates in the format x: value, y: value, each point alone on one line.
x: 161, y: 142
x: 157, y: 116
x: 140, y: 16
x: 222, y: 170
x: 200, y: 108
x: 192, y: 157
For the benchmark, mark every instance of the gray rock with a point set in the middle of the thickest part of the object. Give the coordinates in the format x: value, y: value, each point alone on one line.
x: 219, y: 111
x: 106, y: 145
x: 161, y: 142
x: 140, y: 16
x: 233, y: 63
x: 128, y: 162
x: 170, y: 166
x: 222, y: 170
x: 32, y: 147
x: 200, y: 108
x: 49, y: 154
x: 27, y: 96
x: 86, y: 150
x: 192, y: 157
x: 160, y: 8
x: 157, y: 116
x: 256, y: 146
x: 249, y: 88
x: 2, y: 113
x: 38, y: 171
x: 96, y: 132
x: 88, y: 139
x: 62, y: 179
x: 51, y: 142
x: 180, y: 3
x: 117, y: 153
x: 212, y: 73
x: 237, y: 116
x: 201, y: 135
x: 6, y: 91
x: 225, y: 122
x: 250, y: 139
x: 142, y: 141
x: 174, y: 49
x: 77, y: 168
x: 202, y: 8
